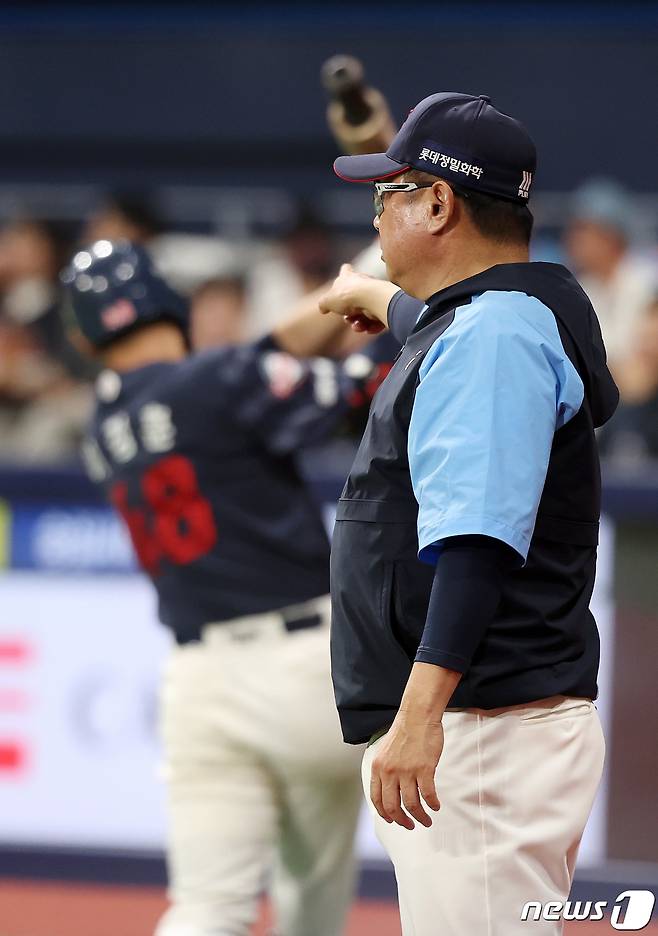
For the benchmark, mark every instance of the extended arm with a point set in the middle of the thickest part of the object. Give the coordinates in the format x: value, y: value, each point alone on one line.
x: 369, y: 305
x: 305, y: 333
x: 359, y: 299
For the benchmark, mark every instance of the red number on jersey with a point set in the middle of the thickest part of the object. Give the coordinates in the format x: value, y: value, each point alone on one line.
x: 180, y: 526
x: 146, y: 546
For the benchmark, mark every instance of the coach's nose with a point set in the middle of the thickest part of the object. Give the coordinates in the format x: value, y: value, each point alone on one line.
x: 375, y: 223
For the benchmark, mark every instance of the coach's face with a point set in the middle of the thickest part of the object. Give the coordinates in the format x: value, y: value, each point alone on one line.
x: 408, y: 228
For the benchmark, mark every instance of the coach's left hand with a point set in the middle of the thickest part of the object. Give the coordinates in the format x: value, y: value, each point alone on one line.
x: 405, y: 766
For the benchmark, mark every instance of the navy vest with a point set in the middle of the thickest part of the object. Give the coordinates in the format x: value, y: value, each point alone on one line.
x: 543, y: 640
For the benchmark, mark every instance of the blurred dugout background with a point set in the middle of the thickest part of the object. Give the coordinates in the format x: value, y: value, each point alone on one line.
x: 200, y: 131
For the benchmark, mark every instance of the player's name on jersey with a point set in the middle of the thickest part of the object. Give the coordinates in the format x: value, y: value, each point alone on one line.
x: 157, y: 434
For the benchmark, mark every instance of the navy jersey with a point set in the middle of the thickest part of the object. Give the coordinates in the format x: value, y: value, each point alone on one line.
x: 197, y: 457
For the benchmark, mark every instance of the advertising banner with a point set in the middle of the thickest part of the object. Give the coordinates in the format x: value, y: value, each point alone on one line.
x: 80, y: 658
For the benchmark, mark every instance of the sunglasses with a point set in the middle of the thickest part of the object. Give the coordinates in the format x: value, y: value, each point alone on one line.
x: 380, y: 187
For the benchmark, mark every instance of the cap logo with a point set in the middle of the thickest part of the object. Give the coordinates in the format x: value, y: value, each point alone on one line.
x: 449, y: 162
x: 118, y: 315
x: 524, y: 187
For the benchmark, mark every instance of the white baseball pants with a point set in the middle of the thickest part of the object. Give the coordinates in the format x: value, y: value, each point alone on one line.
x: 516, y: 786
x: 259, y: 782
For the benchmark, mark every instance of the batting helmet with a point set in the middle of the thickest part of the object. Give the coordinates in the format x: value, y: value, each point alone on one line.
x: 114, y: 289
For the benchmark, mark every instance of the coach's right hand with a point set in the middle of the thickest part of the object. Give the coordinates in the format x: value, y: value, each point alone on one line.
x: 361, y: 300
x: 403, y: 772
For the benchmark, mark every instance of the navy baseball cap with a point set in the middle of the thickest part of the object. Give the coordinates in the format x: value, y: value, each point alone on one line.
x: 460, y: 138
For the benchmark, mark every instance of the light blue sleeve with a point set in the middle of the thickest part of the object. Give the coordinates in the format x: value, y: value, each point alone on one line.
x: 493, y: 390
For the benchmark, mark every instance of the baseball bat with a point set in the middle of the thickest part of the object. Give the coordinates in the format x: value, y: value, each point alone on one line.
x: 358, y: 115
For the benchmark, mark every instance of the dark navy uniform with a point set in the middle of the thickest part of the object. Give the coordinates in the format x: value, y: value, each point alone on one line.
x: 440, y: 459
x: 198, y: 458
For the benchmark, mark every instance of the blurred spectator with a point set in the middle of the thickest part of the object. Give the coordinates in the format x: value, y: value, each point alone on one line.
x: 218, y: 313
x: 302, y: 261
x: 310, y: 250
x: 43, y: 406
x: 186, y: 260
x: 599, y: 240
x: 124, y: 216
x: 32, y: 251
x: 631, y: 437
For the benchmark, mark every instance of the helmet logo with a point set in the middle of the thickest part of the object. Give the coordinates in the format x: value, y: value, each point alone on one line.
x: 118, y: 315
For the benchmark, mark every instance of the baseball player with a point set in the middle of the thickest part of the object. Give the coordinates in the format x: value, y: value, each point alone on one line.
x: 196, y: 454
x: 464, y: 553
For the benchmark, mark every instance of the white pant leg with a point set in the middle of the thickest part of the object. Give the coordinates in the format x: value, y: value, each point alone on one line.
x: 319, y: 789
x: 314, y: 872
x: 516, y: 787
x: 221, y: 798
x: 256, y: 763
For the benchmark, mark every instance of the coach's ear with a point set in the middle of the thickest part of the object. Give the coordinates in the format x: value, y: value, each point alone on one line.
x: 442, y: 207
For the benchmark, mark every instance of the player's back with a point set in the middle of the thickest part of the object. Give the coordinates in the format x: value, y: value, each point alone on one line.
x: 197, y: 457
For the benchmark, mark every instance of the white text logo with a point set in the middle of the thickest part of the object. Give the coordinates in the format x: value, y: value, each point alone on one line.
x: 524, y: 187
x: 631, y: 910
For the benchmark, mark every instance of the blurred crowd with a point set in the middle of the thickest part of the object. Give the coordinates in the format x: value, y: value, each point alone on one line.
x: 238, y: 291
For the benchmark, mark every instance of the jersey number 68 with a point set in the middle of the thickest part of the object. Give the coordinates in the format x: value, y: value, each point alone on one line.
x: 177, y: 522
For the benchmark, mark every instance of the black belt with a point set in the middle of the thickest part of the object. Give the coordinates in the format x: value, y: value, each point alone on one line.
x: 291, y: 623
